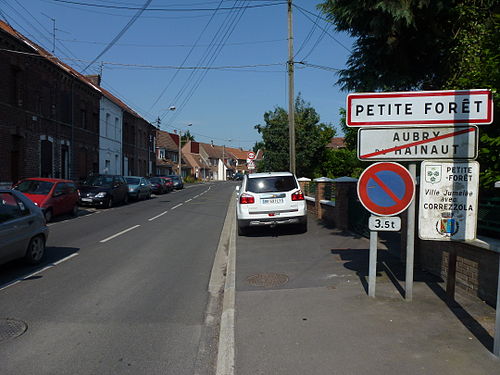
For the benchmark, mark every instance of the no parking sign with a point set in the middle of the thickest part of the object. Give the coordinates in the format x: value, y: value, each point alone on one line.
x: 386, y: 189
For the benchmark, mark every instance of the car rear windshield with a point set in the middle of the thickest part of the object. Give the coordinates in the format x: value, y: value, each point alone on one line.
x: 98, y: 181
x: 35, y: 187
x: 132, y: 180
x: 271, y: 184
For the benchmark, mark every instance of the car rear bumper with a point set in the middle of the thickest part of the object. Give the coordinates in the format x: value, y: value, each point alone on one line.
x: 272, y: 221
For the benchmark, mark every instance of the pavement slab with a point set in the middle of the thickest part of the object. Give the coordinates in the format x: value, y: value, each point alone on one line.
x: 321, y: 320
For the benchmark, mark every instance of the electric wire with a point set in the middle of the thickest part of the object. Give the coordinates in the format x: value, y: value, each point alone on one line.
x: 231, y: 25
x: 167, y: 9
x: 305, y: 13
x: 172, y: 79
x: 121, y: 33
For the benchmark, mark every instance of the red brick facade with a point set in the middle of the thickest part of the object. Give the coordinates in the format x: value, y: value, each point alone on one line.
x: 49, y: 118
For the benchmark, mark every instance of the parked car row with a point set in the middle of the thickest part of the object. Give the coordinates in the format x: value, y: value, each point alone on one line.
x: 32, y: 202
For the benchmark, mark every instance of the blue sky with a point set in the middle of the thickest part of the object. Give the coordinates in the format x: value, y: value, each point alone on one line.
x: 222, y: 105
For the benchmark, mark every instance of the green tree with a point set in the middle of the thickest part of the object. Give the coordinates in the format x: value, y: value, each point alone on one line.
x: 424, y: 44
x: 311, y: 135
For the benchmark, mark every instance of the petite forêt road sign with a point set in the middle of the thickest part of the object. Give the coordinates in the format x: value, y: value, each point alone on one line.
x: 386, y: 189
x: 420, y: 108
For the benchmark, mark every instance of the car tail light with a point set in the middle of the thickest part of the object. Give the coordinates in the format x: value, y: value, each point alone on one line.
x: 246, y: 199
x: 298, y: 196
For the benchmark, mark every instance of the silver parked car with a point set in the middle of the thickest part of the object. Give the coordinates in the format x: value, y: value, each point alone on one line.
x: 23, y: 231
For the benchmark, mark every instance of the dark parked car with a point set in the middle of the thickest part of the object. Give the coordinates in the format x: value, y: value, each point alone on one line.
x: 103, y: 190
x: 169, y: 183
x: 138, y: 187
x: 177, y: 180
x: 54, y: 196
x: 23, y: 231
x: 158, y: 185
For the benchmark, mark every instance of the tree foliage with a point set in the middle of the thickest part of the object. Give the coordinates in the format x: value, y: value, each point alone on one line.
x: 424, y: 45
x: 311, y: 136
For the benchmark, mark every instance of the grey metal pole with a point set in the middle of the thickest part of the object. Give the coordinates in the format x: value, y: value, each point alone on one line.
x: 410, y: 241
x: 291, y: 104
x: 496, y: 342
x: 179, y: 161
x: 372, y: 267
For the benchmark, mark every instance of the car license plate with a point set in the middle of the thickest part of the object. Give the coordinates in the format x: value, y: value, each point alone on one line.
x: 272, y: 201
x: 86, y: 199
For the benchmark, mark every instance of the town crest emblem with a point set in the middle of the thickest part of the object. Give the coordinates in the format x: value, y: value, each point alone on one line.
x: 433, y: 173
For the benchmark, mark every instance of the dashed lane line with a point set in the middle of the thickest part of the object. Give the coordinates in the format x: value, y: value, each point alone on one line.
x: 157, y: 216
x: 120, y: 233
x: 26, y: 277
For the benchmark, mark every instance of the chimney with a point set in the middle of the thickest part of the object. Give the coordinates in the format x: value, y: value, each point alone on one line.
x: 94, y: 78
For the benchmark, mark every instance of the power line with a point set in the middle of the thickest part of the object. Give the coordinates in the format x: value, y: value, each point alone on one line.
x: 187, y: 56
x: 120, y: 34
x: 170, y: 45
x: 305, y: 11
x: 166, y: 9
x: 232, y: 21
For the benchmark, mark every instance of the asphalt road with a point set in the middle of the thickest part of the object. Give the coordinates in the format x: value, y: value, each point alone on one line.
x: 121, y: 291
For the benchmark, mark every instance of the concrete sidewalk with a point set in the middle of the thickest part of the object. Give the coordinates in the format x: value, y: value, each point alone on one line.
x: 302, y: 308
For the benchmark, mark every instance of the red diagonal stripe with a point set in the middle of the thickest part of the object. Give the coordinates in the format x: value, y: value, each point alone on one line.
x: 468, y: 130
x: 386, y: 188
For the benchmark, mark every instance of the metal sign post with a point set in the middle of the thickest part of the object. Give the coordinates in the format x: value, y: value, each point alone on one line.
x: 410, y: 241
x: 372, y: 267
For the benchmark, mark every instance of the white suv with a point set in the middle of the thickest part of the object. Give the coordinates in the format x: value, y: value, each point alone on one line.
x: 270, y: 199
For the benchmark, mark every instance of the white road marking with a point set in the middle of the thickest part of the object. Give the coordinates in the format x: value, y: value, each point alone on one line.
x: 196, y: 196
x: 119, y: 233
x: 157, y: 216
x: 189, y: 200
x: 23, y: 278
x: 180, y: 204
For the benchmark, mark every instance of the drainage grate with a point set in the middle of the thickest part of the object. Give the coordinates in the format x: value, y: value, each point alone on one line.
x: 10, y: 328
x: 268, y: 280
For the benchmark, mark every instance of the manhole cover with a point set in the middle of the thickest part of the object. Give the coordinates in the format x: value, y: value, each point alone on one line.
x: 10, y: 328
x: 268, y: 280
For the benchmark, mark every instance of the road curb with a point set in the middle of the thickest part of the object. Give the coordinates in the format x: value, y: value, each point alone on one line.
x: 225, y: 353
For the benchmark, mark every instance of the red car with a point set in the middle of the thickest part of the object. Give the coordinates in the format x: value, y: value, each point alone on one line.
x: 54, y: 196
x: 169, y: 183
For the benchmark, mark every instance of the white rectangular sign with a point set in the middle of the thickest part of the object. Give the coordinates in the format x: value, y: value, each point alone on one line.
x: 418, y: 143
x: 448, y: 200
x: 424, y: 108
x: 384, y: 223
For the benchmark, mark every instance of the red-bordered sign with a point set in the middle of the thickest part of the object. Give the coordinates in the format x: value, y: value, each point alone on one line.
x: 251, y: 155
x: 423, y: 108
x: 386, y: 189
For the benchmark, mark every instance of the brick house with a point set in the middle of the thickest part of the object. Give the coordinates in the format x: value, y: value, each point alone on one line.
x: 138, y: 145
x: 49, y: 114
x: 197, y: 160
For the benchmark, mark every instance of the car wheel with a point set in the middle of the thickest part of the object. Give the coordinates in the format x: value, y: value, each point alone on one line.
x: 48, y: 215
x: 74, y: 211
x: 109, y: 202
x: 242, y: 231
x: 302, y: 227
x: 149, y: 195
x: 125, y: 200
x: 35, y: 251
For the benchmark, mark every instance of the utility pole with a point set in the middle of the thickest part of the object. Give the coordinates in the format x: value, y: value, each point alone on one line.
x: 180, y: 155
x: 291, y: 104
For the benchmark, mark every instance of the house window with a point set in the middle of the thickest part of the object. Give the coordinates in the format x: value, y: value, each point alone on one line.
x: 106, y: 125
x: 161, y: 153
x: 116, y: 128
x: 46, y: 160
